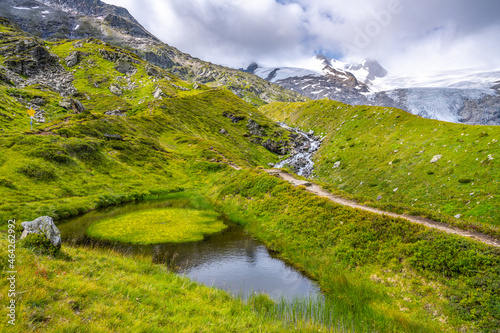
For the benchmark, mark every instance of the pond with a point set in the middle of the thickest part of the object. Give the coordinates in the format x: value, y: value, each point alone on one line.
x: 231, y: 260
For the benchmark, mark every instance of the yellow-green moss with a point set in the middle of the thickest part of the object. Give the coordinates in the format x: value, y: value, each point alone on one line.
x: 168, y: 225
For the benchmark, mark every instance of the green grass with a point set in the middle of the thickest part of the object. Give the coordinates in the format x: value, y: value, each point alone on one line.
x: 384, y: 149
x: 168, y: 225
x: 378, y: 273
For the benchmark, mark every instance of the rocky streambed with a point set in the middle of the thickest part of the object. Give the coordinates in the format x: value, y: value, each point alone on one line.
x: 306, y: 145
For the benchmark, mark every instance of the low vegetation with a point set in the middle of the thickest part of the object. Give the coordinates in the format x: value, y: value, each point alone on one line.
x: 378, y: 273
x: 385, y: 159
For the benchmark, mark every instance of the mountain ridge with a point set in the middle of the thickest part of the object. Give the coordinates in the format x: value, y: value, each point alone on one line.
x: 465, y: 96
x: 79, y: 19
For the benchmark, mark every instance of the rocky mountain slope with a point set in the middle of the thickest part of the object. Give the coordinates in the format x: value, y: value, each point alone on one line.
x: 93, y: 78
x: 469, y: 97
x: 59, y: 19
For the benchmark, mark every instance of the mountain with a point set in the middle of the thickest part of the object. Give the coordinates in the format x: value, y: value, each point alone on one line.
x: 79, y: 19
x: 113, y: 128
x: 465, y: 96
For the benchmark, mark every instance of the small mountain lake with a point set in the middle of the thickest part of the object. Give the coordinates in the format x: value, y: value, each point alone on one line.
x: 231, y: 260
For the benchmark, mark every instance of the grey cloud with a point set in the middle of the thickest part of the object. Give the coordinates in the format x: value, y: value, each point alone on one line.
x: 288, y: 31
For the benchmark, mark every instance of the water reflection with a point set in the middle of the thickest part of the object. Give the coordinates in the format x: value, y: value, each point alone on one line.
x: 231, y: 260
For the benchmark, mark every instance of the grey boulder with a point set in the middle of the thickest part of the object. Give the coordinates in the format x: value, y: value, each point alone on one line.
x: 43, y: 226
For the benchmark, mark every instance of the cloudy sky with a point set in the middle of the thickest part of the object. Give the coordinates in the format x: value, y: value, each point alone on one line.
x: 405, y: 36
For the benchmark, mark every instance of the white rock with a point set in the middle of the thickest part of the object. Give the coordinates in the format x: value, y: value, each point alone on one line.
x: 337, y: 165
x: 44, y: 226
x: 436, y: 158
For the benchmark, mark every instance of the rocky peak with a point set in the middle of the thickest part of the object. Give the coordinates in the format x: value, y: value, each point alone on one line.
x: 251, y: 68
x: 89, y: 8
x: 374, y: 69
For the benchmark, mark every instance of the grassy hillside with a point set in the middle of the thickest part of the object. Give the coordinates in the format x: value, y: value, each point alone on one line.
x: 379, y: 274
x: 385, y: 159
x: 151, y: 142
x: 70, y: 164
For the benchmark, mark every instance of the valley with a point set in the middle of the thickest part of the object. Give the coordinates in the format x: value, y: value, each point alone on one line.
x: 117, y: 125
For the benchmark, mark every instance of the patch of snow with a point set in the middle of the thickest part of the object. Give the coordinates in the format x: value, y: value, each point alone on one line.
x: 441, y: 104
x: 45, y: 12
x: 77, y: 26
x: 22, y: 8
x: 458, y: 79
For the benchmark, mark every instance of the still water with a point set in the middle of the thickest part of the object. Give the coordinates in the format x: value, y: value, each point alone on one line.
x: 231, y: 260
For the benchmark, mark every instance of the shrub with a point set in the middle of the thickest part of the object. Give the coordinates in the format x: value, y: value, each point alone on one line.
x: 18, y: 230
x: 53, y: 154
x: 465, y: 180
x: 40, y: 244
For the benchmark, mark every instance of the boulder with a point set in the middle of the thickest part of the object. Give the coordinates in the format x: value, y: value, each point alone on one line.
x: 153, y: 71
x: 436, y: 158
x: 108, y: 55
x: 275, y: 146
x: 336, y: 165
x: 234, y: 119
x: 72, y: 104
x: 115, y: 90
x: 117, y: 112
x: 158, y: 93
x: 73, y: 59
x: 43, y: 226
x: 302, y: 183
x: 124, y: 67
x: 38, y: 101
x: 255, y: 129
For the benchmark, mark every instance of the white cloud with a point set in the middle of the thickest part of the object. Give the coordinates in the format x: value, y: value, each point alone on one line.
x: 402, y: 34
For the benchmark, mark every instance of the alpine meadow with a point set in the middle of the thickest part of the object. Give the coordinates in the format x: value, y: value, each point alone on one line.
x: 141, y: 155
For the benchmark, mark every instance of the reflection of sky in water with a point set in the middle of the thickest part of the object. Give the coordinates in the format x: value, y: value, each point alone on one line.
x: 231, y: 260
x: 244, y: 272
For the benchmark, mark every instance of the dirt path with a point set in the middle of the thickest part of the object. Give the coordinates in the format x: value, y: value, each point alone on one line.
x: 316, y: 189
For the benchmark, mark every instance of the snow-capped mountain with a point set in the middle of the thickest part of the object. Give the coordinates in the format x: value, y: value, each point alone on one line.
x: 462, y: 96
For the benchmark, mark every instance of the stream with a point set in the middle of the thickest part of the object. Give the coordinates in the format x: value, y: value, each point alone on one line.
x: 231, y: 260
x: 301, y: 158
